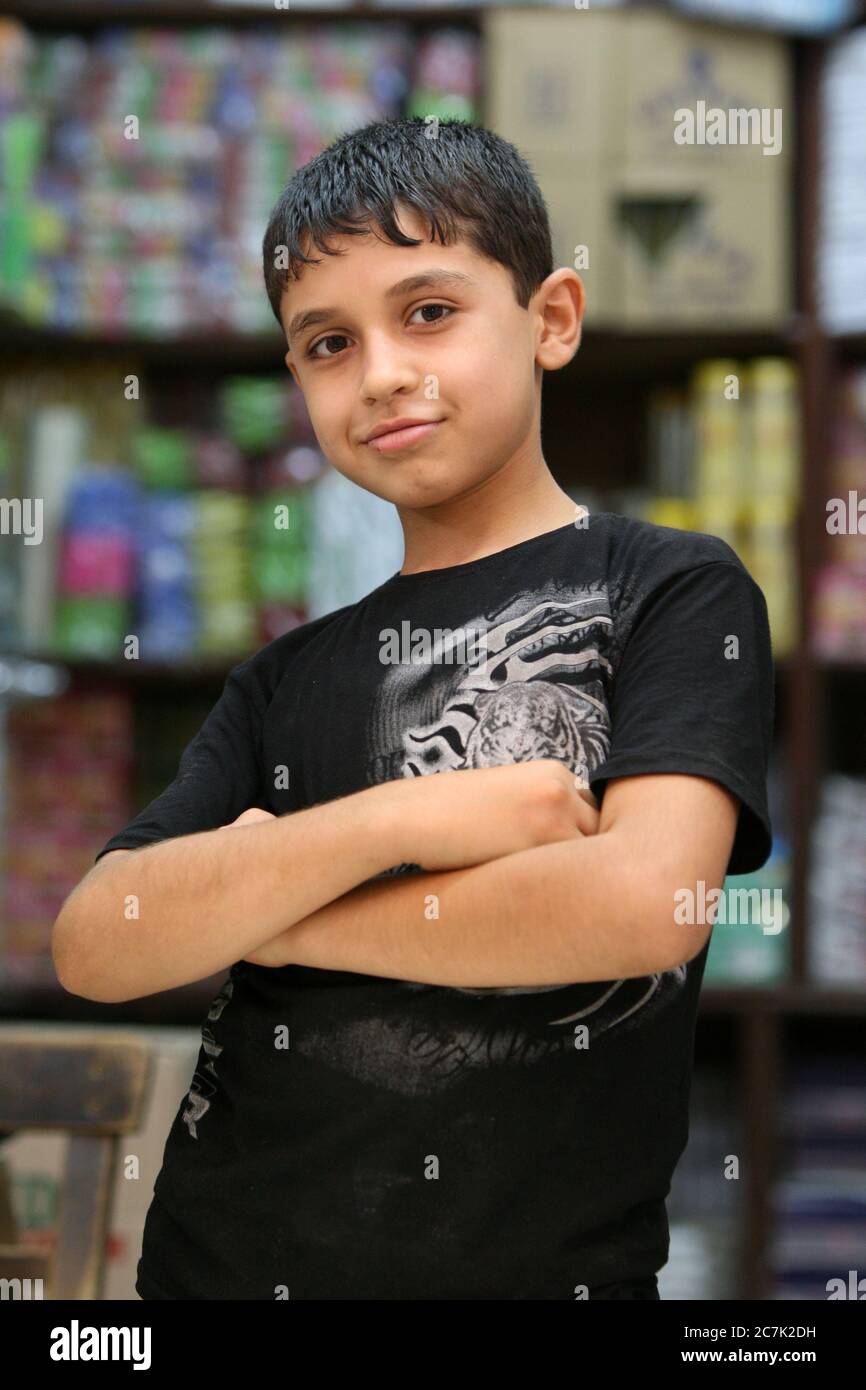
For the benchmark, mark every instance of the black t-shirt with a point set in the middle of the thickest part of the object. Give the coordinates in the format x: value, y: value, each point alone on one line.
x: 418, y: 1141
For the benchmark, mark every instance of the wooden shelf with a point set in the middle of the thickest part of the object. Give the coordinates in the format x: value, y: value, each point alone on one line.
x: 603, y: 352
x: 116, y: 13
x: 784, y: 999
x: 42, y: 999
x: 203, y: 671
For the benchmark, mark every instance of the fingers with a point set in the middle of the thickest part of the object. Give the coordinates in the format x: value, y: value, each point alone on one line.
x: 587, y: 813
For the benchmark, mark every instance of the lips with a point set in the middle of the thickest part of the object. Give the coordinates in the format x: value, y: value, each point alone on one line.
x: 403, y: 435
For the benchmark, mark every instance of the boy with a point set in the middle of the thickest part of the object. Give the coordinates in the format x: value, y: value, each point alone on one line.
x: 452, y: 1057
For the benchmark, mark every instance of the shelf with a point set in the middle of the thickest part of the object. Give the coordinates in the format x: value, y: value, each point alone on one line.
x: 43, y: 1002
x: 849, y: 344
x: 783, y: 999
x: 603, y: 352
x: 187, y: 1005
x: 216, y: 668
x: 841, y: 666
x: 90, y: 13
x: 204, y: 671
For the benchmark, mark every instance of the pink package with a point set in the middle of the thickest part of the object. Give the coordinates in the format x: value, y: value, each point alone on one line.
x: 96, y: 562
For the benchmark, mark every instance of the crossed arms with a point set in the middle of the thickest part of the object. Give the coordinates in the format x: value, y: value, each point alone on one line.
x: 594, y: 901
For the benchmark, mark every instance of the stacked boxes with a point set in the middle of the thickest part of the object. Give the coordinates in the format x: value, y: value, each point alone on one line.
x: 663, y: 149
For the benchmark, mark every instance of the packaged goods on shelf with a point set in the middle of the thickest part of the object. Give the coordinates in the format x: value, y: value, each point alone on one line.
x: 841, y: 270
x: 751, y: 938
x: 670, y: 443
x: 840, y: 598
x: 701, y: 1263
x: 97, y: 564
x: 256, y: 412
x: 163, y: 458
x: 167, y: 603
x: 167, y: 545
x: 223, y: 573
x: 719, y: 448
x: 771, y: 394
x: 55, y: 457
x: 8, y: 588
x: 445, y: 77
x: 819, y: 1203
x: 837, y: 883
x: 750, y: 942
x: 724, y: 459
x: 282, y: 538
x: 356, y: 543
x: 703, y: 1202
x: 81, y: 742
x: 771, y: 500
x: 142, y: 164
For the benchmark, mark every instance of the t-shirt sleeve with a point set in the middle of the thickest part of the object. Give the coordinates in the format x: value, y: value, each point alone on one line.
x: 218, y: 777
x: 687, y: 699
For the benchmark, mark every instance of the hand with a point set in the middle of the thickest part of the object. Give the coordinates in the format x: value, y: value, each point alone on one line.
x: 468, y: 816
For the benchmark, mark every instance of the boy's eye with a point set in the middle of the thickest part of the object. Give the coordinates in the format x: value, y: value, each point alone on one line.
x: 422, y: 309
x: 331, y: 338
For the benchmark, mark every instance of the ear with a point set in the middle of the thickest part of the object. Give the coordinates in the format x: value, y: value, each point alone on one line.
x: 560, y: 303
x: 289, y: 361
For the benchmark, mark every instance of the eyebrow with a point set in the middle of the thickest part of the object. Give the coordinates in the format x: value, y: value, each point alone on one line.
x: 424, y: 280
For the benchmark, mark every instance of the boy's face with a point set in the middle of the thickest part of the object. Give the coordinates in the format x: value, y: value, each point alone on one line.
x: 457, y: 354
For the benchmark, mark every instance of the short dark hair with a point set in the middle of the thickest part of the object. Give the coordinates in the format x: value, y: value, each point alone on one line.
x: 465, y: 180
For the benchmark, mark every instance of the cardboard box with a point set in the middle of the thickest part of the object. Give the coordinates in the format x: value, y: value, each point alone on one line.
x: 601, y: 84
x: 672, y: 248
x: 704, y: 247
x: 547, y: 80
x: 670, y: 63
x: 577, y: 194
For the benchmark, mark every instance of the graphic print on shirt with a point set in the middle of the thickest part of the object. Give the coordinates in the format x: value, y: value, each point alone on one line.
x: 539, y: 692
x: 202, y: 1089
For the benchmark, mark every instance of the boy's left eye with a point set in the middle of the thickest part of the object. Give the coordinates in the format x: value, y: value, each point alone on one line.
x: 422, y: 308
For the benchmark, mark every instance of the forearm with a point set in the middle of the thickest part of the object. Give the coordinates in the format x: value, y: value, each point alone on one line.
x: 557, y: 914
x: 188, y: 907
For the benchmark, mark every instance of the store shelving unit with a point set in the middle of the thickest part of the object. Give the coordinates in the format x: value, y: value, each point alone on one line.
x: 758, y: 1020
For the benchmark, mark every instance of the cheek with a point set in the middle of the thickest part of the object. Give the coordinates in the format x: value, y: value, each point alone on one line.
x: 325, y: 411
x: 497, y: 361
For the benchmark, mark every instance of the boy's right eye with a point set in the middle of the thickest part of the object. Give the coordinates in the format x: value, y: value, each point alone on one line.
x: 329, y: 338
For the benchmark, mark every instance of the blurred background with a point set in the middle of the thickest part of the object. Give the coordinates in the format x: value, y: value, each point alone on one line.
x: 144, y: 398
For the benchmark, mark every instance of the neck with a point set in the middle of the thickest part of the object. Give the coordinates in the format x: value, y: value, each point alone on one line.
x: 470, y: 527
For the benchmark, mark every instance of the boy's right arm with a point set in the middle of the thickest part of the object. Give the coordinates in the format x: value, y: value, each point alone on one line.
x: 150, y: 919
x: 155, y: 918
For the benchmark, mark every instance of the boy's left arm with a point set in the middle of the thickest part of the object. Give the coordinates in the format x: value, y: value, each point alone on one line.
x: 597, y: 908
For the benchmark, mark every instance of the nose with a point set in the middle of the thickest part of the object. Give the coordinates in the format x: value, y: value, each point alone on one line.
x: 386, y: 369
